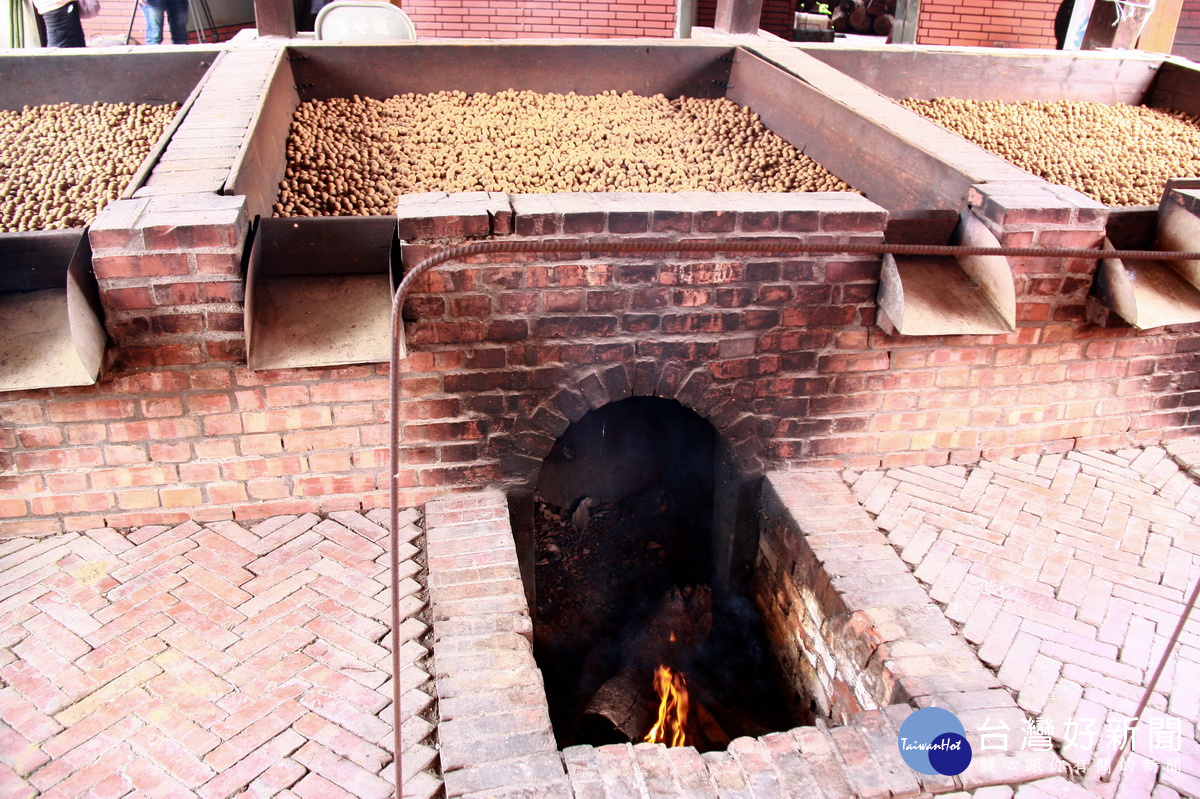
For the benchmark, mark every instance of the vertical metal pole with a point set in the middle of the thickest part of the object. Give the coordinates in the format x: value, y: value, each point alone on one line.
x: 206, y: 26
x: 132, y: 16
x: 394, y: 536
x: 1162, y: 664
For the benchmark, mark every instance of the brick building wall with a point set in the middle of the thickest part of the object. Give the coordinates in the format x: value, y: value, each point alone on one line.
x: 113, y: 23
x: 525, y: 19
x: 1187, y: 35
x: 505, y: 19
x: 988, y: 23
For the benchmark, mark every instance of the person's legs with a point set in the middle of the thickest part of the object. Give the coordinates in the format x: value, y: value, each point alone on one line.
x: 154, y: 22
x: 177, y: 15
x: 63, y: 28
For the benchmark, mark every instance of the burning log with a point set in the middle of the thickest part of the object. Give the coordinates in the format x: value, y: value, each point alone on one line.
x: 683, y: 720
x: 727, y: 717
x: 624, y: 707
x: 679, y: 625
x: 712, y: 734
x: 674, y: 702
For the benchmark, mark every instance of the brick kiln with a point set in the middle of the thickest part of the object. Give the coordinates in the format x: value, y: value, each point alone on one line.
x: 168, y: 266
x: 788, y: 359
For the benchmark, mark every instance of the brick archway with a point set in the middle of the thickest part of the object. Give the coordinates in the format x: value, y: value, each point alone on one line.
x: 691, y: 385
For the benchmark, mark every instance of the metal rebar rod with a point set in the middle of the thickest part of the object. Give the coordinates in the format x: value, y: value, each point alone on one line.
x: 765, y: 246
x: 394, y: 540
x: 1162, y: 665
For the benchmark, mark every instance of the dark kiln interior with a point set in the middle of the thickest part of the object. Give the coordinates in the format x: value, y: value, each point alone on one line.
x: 634, y: 523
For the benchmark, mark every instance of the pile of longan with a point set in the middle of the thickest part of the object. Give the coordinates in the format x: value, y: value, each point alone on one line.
x: 349, y: 156
x: 1119, y: 155
x: 60, y: 164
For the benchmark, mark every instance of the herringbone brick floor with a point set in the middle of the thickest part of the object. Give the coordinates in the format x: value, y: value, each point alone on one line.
x: 1068, y: 573
x: 211, y: 661
x: 220, y: 661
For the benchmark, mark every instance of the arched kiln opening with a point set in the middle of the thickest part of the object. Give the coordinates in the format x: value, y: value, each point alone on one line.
x: 639, y: 545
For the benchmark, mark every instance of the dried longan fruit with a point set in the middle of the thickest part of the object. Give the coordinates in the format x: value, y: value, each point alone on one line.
x: 1119, y: 155
x: 527, y: 142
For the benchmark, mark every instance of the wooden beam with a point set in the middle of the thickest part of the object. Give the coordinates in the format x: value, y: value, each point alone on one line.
x: 738, y: 16
x: 275, y: 18
x: 1104, y: 31
x: 1159, y: 35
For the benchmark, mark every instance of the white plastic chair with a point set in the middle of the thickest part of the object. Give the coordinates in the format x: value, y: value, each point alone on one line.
x: 363, y: 20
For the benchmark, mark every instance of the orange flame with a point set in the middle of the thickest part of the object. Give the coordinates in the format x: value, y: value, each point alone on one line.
x: 671, y: 727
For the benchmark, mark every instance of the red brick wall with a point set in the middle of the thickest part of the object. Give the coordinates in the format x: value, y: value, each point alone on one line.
x: 524, y: 19
x: 114, y: 18
x: 504, y: 19
x: 736, y: 340
x: 984, y: 23
x: 1187, y: 35
x: 988, y: 23
x: 781, y: 354
x: 204, y: 442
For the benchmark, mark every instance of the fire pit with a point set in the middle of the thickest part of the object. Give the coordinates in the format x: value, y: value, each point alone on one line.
x: 636, y: 609
x: 844, y: 618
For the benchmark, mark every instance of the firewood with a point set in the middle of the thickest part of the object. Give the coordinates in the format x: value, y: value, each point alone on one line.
x: 709, y: 729
x: 623, y: 709
x: 680, y: 623
x: 624, y: 706
x: 860, y: 20
x: 582, y: 514
x: 732, y: 719
x: 884, y: 24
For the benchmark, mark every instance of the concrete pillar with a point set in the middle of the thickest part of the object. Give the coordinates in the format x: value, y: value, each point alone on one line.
x: 738, y: 16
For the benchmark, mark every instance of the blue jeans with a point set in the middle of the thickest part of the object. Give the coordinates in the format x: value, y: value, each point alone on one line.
x: 177, y: 17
